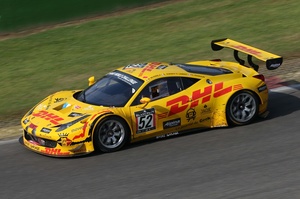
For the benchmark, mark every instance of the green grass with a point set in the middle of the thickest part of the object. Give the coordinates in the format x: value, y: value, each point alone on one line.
x: 19, y: 14
x: 34, y: 66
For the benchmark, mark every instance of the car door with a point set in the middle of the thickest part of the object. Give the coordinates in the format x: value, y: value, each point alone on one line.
x: 154, y: 118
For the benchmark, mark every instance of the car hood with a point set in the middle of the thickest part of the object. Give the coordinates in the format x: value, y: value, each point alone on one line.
x: 61, y: 108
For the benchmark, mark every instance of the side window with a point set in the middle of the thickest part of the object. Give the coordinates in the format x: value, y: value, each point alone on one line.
x: 187, y: 82
x: 160, y: 88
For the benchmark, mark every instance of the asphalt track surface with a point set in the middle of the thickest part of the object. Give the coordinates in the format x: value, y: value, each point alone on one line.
x: 261, y: 160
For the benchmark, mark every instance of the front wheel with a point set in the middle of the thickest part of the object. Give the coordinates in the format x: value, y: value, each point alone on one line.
x: 242, y: 108
x: 111, y: 134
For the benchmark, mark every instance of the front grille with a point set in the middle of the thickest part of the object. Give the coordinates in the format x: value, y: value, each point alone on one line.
x: 40, y: 141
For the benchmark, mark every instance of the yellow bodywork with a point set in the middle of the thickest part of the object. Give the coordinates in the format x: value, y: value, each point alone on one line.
x: 202, y: 105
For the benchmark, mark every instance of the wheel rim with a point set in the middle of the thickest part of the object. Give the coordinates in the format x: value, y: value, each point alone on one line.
x: 111, y: 134
x: 243, y: 107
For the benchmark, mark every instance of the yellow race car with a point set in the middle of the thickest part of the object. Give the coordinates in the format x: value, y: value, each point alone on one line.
x: 148, y: 100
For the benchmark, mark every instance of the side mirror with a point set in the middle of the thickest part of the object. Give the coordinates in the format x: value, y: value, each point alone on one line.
x: 145, y: 101
x: 91, y: 80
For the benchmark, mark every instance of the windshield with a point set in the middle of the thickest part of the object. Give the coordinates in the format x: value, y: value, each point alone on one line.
x: 114, y: 89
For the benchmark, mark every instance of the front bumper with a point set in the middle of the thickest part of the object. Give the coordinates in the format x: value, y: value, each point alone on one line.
x: 60, y: 148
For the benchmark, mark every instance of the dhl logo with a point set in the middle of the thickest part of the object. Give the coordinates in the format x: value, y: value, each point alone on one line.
x: 181, y: 103
x: 149, y: 67
x: 248, y: 49
x: 52, y: 151
x: 54, y: 119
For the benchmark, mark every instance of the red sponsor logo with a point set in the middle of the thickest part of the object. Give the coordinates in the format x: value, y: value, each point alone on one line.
x: 32, y: 126
x: 247, y: 49
x: 51, y: 151
x: 54, y: 119
x: 181, y: 103
x: 149, y: 67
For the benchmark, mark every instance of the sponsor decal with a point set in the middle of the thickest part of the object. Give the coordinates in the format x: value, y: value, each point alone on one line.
x: 54, y: 119
x: 89, y: 108
x: 64, y: 141
x: 172, y: 123
x: 32, y: 126
x: 275, y: 65
x: 52, y: 151
x: 200, y: 96
x: 65, y: 105
x: 124, y: 78
x: 63, y: 134
x: 56, y: 100
x: 130, y: 66
x: 45, y: 130
x: 262, y: 88
x: 167, y: 135
x: 206, y: 109
x: 77, y: 107
x: 77, y: 129
x: 145, y: 120
x: 49, y: 102
x: 162, y: 67
x: 247, y: 49
x: 237, y: 87
x: 32, y: 145
x: 204, y: 119
x: 190, y: 114
x: 149, y: 67
x: 162, y: 115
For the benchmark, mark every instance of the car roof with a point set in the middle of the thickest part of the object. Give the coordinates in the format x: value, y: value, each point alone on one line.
x: 154, y: 69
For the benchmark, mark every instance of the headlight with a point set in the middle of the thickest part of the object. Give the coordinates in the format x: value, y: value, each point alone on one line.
x: 25, y: 121
x: 67, y: 125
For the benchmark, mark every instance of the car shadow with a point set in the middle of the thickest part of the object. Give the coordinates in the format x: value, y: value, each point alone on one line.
x: 281, y: 104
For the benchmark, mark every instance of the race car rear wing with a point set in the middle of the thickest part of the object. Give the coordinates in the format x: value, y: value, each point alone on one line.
x: 272, y: 61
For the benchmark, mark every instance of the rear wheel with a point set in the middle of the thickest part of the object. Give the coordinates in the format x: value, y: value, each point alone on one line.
x: 111, y: 134
x: 242, y: 108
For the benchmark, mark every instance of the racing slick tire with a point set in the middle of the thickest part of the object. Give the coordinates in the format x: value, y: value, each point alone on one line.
x: 242, y: 108
x: 111, y: 134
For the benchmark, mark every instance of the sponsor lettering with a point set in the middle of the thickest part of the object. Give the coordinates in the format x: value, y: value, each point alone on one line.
x: 77, y: 129
x: 54, y: 119
x: 130, y: 66
x: 204, y: 119
x: 181, y: 103
x: 52, y: 151
x: 167, y: 135
x: 124, y: 78
x: 59, y: 99
x: 33, y: 146
x: 247, y: 49
x: 149, y: 67
x: 172, y: 123
x: 275, y: 65
x: 45, y: 130
x: 49, y: 102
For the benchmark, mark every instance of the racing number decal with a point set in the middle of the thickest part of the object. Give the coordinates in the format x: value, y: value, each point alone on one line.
x: 145, y: 120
